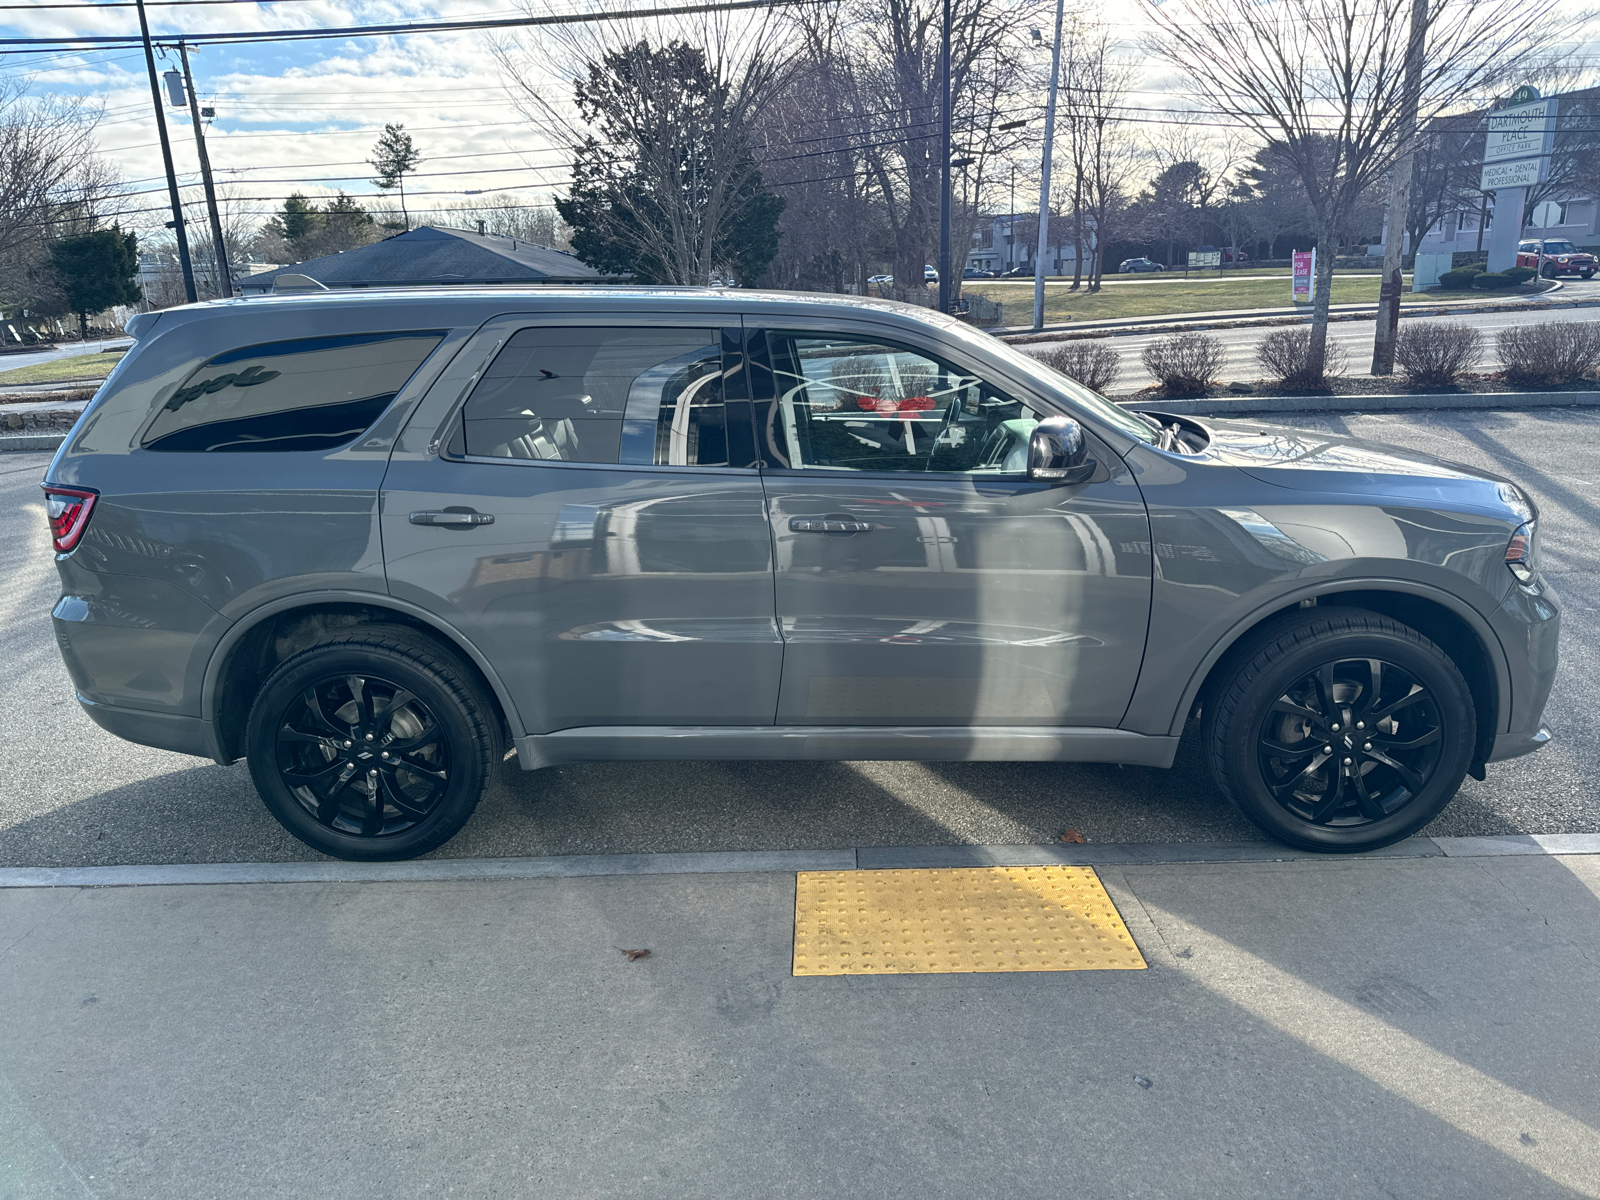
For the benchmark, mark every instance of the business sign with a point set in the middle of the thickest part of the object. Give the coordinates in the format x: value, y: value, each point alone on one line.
x: 1523, y: 173
x: 1304, y: 272
x: 1201, y: 259
x: 1523, y: 131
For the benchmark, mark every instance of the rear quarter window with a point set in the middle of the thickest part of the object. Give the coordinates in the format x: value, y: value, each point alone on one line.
x: 307, y: 394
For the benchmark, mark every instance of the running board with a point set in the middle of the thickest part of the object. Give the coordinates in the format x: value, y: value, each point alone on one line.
x: 944, y: 743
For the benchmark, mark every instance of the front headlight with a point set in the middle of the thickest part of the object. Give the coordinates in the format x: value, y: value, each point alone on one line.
x: 1522, y: 553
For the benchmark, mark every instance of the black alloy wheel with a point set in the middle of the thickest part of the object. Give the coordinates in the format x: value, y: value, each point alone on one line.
x: 1338, y: 729
x: 1350, y: 743
x: 363, y: 755
x: 376, y: 744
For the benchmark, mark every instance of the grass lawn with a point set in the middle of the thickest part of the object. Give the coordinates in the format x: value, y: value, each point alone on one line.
x: 1174, y: 296
x: 58, y: 370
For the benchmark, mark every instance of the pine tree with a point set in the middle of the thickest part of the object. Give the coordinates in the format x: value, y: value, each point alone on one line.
x: 96, y: 271
x: 394, y: 157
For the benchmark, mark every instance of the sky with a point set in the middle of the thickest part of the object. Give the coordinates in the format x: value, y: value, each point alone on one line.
x: 302, y: 116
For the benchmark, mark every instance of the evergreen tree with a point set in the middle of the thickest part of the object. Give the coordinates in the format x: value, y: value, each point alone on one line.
x: 394, y: 157
x: 666, y: 189
x: 96, y: 271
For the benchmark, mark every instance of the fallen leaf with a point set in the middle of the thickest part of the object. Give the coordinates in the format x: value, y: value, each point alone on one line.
x: 1072, y: 835
x: 636, y: 955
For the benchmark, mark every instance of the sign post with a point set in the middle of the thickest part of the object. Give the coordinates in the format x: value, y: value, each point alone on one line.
x: 1304, y: 273
x: 1516, y: 156
x: 1204, y: 260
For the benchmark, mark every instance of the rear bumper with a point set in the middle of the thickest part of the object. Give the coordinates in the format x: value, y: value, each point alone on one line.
x: 1515, y: 745
x: 164, y: 731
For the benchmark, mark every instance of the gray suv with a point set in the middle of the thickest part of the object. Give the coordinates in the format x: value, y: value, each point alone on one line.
x: 376, y: 542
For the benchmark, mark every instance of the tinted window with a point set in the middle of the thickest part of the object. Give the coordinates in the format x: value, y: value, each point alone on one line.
x: 310, y: 394
x: 865, y: 405
x: 639, y: 396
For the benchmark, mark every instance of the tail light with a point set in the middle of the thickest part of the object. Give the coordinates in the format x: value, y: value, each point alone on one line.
x: 68, y: 510
x: 1521, y: 556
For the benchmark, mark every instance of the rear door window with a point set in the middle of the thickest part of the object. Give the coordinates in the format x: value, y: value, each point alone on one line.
x: 630, y: 395
x: 307, y: 394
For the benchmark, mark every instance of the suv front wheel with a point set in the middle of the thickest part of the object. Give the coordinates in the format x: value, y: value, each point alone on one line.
x: 1341, y: 731
x: 374, y: 745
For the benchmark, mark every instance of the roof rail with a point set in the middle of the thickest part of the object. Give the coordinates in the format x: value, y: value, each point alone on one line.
x: 297, y: 283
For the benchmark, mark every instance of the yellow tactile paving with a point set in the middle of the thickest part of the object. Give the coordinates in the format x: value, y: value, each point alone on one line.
x: 958, y: 920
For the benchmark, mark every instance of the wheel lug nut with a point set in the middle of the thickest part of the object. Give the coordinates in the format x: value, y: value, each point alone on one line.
x: 1348, y: 761
x: 347, y: 745
x: 1336, y: 729
x: 1361, y: 724
x: 1366, y: 745
x: 1327, y: 749
x: 369, y: 736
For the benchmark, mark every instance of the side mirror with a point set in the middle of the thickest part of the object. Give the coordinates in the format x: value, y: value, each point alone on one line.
x: 1057, y: 452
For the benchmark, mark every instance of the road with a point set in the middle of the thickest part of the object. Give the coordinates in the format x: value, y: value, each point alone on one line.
x: 73, y: 795
x: 1354, y: 337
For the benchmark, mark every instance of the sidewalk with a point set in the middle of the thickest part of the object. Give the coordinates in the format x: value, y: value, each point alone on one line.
x: 1420, y: 1023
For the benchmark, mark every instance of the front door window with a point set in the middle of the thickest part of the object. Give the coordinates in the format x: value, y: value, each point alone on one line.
x: 865, y: 405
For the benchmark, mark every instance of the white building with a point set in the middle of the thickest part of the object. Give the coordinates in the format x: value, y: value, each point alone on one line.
x: 1006, y: 241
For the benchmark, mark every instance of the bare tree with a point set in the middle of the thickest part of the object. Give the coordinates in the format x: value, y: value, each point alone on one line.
x: 51, y: 184
x: 1092, y: 112
x: 1324, y: 78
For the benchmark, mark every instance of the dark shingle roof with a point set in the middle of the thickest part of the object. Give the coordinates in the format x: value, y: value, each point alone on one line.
x: 431, y: 255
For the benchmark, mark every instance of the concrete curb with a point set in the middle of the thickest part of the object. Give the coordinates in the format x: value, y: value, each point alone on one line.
x: 1018, y: 335
x: 1218, y: 406
x: 573, y: 866
x: 31, y: 441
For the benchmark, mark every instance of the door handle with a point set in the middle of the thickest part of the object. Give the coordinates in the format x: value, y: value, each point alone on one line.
x: 459, y: 519
x: 828, y: 525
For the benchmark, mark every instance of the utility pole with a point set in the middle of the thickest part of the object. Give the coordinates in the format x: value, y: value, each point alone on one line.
x: 1044, y: 173
x: 224, y: 274
x: 166, y: 154
x: 1011, y: 224
x: 1394, y: 235
x: 944, y: 163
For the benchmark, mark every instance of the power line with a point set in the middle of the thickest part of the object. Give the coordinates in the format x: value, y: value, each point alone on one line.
x: 402, y: 28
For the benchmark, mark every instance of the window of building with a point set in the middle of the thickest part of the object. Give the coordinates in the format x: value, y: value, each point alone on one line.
x: 620, y: 395
x: 308, y: 394
x: 864, y: 405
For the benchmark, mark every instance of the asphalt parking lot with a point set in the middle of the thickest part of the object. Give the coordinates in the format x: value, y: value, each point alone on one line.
x: 72, y: 795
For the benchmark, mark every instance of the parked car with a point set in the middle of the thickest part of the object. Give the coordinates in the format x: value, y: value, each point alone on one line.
x: 375, y: 542
x: 1560, y: 257
x: 930, y: 273
x: 977, y: 273
x: 1131, y: 266
x: 880, y: 279
x: 1021, y: 271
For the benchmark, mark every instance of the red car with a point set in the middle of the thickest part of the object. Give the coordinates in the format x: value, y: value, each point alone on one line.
x: 1560, y: 258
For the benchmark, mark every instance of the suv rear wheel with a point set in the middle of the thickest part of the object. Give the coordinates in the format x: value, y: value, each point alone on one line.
x: 374, y: 745
x: 1341, y: 731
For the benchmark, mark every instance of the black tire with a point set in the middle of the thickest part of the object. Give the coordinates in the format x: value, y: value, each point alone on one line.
x: 318, y: 732
x: 1549, y: 271
x: 1299, y: 689
x: 1587, y: 274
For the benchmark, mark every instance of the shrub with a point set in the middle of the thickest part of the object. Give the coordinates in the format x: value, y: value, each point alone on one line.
x: 1493, y: 281
x: 1285, y: 355
x: 1184, y: 363
x: 1519, y: 274
x: 1473, y: 268
x: 1096, y: 367
x: 1558, y: 352
x: 1458, y: 279
x: 1436, y: 354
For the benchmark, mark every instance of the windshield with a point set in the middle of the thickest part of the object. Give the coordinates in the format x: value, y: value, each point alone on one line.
x: 1560, y: 248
